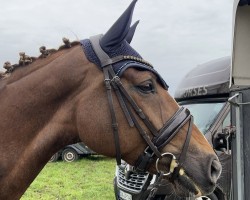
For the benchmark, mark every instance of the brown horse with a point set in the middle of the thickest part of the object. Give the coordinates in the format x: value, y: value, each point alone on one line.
x: 62, y: 99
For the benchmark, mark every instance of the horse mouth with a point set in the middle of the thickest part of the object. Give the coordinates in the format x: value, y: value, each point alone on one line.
x: 185, y: 186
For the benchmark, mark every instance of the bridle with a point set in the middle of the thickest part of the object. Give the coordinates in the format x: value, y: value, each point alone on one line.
x: 160, y: 138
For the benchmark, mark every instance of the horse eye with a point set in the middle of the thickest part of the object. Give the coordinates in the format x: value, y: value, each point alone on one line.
x: 146, y: 88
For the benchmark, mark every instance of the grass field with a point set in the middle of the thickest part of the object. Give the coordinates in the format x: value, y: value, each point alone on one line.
x: 89, y: 178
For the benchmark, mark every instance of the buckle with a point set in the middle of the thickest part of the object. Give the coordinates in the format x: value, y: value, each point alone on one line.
x: 144, y: 159
x: 149, y: 152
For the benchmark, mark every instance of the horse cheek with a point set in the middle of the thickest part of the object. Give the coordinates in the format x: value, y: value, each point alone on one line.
x: 94, y: 128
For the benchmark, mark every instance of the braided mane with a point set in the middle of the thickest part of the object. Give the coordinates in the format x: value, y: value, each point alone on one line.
x: 25, y: 60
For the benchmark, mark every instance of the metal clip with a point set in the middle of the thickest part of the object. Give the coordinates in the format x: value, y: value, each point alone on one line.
x: 229, y: 133
x: 107, y: 84
x: 171, y: 166
x: 116, y: 80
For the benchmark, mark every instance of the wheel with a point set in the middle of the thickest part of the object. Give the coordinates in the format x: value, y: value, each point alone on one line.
x: 69, y: 155
x: 54, y: 158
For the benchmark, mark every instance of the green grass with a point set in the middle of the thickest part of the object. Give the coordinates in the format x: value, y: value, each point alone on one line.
x: 89, y: 178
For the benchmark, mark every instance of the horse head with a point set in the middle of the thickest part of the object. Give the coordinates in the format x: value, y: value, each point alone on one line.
x: 153, y: 133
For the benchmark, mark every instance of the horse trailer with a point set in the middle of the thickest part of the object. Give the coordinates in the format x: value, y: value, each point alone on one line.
x: 71, y: 153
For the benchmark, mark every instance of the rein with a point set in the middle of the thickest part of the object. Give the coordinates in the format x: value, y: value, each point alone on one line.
x: 161, y: 138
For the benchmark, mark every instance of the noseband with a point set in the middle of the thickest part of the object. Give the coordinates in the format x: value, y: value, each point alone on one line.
x: 161, y: 138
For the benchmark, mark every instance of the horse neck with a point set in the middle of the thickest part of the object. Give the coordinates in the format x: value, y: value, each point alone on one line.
x: 36, y: 97
x: 37, y: 110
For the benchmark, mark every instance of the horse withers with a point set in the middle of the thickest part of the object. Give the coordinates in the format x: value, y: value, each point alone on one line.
x: 105, y: 94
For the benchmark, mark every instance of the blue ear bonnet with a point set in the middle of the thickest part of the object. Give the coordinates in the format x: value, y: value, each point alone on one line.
x: 123, y: 49
x: 126, y: 50
x: 115, y: 43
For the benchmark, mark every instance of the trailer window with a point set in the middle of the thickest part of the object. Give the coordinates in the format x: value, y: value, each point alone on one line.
x: 204, y: 114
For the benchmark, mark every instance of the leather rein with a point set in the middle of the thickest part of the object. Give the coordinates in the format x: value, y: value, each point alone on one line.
x: 160, y: 138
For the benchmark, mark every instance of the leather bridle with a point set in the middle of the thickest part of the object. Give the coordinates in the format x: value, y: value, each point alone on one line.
x: 160, y: 138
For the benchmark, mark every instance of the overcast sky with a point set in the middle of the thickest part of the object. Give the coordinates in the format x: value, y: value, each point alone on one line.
x: 173, y: 35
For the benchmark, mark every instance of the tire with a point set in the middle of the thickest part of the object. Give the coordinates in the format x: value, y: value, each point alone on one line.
x: 70, y: 155
x: 55, y: 157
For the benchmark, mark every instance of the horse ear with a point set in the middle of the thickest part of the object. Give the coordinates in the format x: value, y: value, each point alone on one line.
x: 131, y: 32
x: 117, y: 33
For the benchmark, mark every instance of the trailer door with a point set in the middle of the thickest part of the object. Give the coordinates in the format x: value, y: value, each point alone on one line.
x: 240, y: 107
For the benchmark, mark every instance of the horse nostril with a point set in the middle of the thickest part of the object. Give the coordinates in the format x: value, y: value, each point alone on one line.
x: 215, y: 170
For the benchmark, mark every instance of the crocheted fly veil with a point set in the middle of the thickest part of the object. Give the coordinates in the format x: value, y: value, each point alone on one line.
x: 116, y: 42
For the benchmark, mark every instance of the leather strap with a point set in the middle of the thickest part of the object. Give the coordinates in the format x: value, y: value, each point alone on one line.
x: 183, y: 154
x: 113, y: 116
x: 95, y: 42
x: 103, y: 57
x: 172, y: 127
